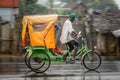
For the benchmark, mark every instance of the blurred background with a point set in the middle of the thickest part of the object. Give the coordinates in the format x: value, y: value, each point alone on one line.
x: 99, y: 20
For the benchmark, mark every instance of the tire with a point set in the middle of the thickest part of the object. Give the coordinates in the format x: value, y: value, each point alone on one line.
x: 93, y: 63
x: 39, y: 62
x: 26, y: 58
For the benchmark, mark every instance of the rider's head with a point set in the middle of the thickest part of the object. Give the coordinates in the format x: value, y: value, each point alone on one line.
x: 72, y: 17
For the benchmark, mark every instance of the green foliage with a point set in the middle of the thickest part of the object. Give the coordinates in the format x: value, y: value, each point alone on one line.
x: 101, y: 4
x: 30, y: 1
x: 21, y: 9
x: 69, y: 1
x: 63, y: 12
x: 30, y: 7
x: 36, y: 9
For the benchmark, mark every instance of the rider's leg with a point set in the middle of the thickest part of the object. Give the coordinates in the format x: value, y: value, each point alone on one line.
x: 58, y: 50
x: 53, y: 52
x: 73, y: 45
x: 70, y: 47
x: 76, y: 45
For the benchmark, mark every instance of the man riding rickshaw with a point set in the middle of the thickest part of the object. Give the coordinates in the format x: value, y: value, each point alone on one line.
x: 38, y: 34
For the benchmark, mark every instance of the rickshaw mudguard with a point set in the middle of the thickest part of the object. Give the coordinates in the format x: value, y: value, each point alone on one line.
x: 38, y: 48
x: 39, y: 51
x: 44, y: 36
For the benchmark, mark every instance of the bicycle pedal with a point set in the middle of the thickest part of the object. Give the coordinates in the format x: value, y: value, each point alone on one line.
x: 72, y: 61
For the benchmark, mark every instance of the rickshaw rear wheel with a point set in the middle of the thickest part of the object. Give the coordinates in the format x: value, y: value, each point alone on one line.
x: 39, y: 62
x: 26, y: 58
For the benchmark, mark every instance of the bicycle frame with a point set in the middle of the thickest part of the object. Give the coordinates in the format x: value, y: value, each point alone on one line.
x: 84, y: 50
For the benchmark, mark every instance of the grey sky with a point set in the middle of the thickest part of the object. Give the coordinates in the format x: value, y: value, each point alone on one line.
x: 118, y: 3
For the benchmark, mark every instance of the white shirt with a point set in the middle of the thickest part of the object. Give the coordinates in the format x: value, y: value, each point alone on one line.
x: 66, y: 32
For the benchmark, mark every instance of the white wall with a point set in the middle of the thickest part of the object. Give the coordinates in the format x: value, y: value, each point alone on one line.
x: 7, y: 14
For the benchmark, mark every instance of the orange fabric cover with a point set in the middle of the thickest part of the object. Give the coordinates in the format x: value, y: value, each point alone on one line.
x: 43, y: 32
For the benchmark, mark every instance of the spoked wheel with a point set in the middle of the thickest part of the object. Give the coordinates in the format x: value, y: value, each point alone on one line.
x: 39, y: 62
x: 92, y: 60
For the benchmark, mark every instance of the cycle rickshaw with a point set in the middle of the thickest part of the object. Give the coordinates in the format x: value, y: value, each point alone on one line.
x: 38, y: 35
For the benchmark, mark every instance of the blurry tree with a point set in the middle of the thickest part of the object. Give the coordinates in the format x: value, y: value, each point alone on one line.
x: 69, y: 1
x: 101, y: 4
x: 31, y: 7
x: 63, y: 12
x: 30, y: 1
x: 22, y: 7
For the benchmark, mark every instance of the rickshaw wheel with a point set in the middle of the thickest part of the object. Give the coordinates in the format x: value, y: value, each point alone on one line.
x: 92, y: 60
x: 26, y: 58
x: 39, y: 62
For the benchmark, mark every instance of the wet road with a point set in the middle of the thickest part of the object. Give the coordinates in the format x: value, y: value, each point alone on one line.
x: 15, y: 69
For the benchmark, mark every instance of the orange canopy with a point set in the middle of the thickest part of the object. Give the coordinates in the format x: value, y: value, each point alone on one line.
x: 40, y: 29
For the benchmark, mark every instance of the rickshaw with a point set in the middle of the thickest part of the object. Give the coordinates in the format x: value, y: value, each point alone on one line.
x: 38, y: 37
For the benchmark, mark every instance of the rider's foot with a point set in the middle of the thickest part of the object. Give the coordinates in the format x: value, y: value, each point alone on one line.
x: 72, y: 61
x: 77, y: 58
x: 55, y: 54
x: 65, y: 56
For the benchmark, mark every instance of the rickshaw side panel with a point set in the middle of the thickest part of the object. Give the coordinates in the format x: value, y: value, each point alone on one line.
x: 24, y: 22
